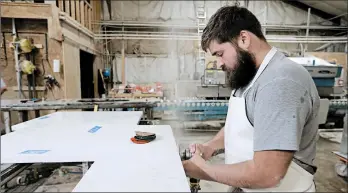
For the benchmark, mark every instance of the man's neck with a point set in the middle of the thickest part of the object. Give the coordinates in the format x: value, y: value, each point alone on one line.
x: 260, y: 52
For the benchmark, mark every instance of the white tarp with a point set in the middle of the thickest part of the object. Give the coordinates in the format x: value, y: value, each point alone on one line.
x: 278, y: 12
x: 178, y: 58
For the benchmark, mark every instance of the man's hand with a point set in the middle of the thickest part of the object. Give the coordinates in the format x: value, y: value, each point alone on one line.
x: 194, y: 167
x: 206, y: 150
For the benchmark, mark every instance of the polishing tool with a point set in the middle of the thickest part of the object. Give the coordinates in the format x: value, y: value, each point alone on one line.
x: 143, y: 137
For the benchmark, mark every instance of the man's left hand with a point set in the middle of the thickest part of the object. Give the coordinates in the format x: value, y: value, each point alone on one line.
x: 194, y: 166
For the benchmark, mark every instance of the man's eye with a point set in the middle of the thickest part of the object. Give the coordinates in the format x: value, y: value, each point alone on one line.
x: 219, y: 55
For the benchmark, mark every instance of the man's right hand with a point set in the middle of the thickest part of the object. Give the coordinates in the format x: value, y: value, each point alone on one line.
x: 205, y: 149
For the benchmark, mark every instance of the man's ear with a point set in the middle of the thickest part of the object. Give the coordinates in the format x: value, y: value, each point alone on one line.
x: 244, y: 40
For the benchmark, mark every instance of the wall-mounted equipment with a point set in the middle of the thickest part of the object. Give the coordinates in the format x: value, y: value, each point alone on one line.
x: 27, y: 67
x: 214, y: 77
x: 26, y: 46
x: 322, y: 72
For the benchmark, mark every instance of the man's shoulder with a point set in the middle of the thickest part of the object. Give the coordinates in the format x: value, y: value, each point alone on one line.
x: 282, y: 68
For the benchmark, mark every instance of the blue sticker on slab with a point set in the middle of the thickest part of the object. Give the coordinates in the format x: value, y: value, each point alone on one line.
x: 44, y: 117
x: 34, y: 152
x: 94, y: 129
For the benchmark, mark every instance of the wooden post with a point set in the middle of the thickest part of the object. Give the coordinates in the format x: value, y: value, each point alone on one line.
x: 78, y: 11
x: 73, y: 9
x: 90, y: 18
x: 60, y: 5
x: 67, y: 7
x: 82, y: 11
x: 86, y: 14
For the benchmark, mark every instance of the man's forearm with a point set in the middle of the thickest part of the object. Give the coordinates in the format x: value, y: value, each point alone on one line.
x: 242, y: 175
x: 218, y: 142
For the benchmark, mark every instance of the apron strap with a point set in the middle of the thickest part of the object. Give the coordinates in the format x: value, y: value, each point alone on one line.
x: 262, y: 67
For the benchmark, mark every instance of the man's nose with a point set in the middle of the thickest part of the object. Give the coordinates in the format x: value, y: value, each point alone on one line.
x: 220, y: 63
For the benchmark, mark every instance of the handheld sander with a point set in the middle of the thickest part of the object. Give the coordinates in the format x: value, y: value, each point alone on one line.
x: 143, y: 137
x: 194, y: 183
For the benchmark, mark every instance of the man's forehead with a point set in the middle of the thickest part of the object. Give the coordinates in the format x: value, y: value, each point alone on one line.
x: 215, y: 47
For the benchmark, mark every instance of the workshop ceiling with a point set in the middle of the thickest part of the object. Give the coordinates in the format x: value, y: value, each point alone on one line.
x: 334, y: 7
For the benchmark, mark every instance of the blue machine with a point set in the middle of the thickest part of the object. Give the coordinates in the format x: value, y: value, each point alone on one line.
x: 322, y: 72
x: 196, y: 110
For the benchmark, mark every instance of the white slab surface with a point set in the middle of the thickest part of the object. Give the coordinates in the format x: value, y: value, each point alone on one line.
x: 119, y: 165
x: 65, y: 133
x: 70, y: 118
x: 152, y: 167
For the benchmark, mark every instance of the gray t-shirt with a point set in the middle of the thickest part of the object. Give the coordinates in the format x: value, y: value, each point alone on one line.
x: 283, y: 106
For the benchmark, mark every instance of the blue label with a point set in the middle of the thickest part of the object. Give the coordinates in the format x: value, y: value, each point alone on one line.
x: 94, y: 129
x: 34, y: 151
x: 45, y: 117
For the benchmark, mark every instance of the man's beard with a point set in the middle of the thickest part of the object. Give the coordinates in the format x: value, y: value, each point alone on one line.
x: 244, y: 72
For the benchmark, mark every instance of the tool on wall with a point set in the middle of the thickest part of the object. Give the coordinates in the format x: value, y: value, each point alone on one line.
x: 194, y: 183
x: 51, y: 82
x: 25, y: 47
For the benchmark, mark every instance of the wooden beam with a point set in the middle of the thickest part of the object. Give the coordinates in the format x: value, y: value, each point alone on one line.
x: 67, y: 7
x: 26, y: 88
x: 86, y: 15
x: 73, y: 9
x: 25, y: 10
x: 61, y: 5
x: 78, y: 14
x: 82, y: 11
x: 90, y: 18
x: 97, y: 14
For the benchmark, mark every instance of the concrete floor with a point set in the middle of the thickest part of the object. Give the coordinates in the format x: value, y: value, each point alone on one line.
x: 326, y: 178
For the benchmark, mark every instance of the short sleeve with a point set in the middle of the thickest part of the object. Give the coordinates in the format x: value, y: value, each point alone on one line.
x: 281, y: 110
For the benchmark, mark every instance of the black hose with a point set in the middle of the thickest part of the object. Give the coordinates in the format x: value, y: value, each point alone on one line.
x: 4, y: 42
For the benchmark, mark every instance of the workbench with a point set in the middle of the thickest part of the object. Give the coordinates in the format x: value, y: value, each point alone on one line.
x: 104, y: 139
x: 8, y: 106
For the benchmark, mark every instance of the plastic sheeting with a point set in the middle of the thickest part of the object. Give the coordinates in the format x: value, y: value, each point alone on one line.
x: 158, y: 69
x: 278, y: 12
x: 177, y: 62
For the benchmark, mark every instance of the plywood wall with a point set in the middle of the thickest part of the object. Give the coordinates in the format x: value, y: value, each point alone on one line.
x: 71, y: 60
x: 37, y: 30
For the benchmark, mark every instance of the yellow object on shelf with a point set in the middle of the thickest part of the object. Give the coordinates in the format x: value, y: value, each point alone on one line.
x: 27, y: 67
x: 25, y: 45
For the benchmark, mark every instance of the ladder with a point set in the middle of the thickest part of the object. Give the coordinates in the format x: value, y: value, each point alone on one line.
x: 201, y: 22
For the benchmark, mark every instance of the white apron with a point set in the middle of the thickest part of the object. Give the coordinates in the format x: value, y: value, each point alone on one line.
x: 239, y: 143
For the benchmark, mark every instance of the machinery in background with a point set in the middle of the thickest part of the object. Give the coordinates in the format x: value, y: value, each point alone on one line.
x: 214, y: 81
x: 211, y: 101
x: 40, y: 177
x: 215, y: 77
x: 323, y: 73
x: 194, y: 109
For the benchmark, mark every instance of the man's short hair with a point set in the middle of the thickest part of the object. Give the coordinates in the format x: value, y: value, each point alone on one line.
x: 227, y: 23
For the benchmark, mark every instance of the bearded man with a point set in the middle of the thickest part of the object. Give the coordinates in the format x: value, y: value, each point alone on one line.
x: 269, y: 137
